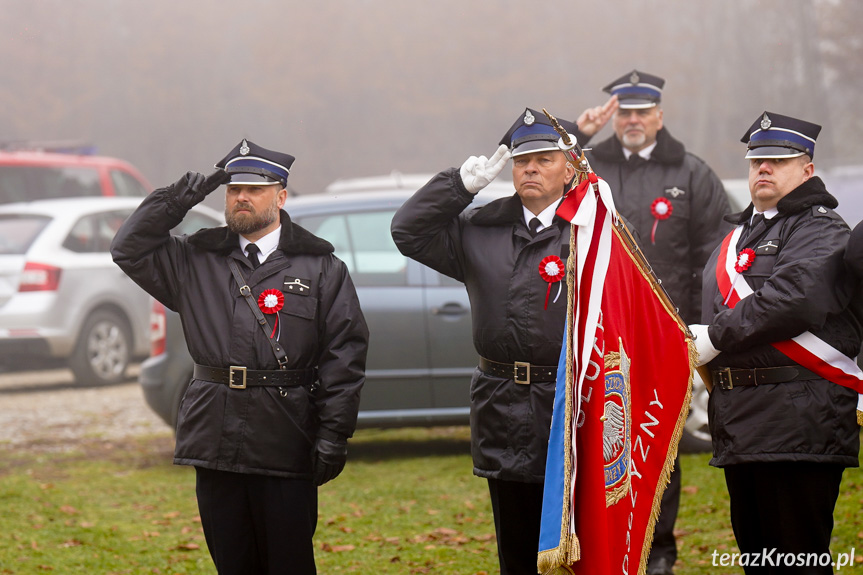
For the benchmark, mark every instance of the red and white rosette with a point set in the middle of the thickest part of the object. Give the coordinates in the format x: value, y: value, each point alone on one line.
x: 552, y: 270
x: 661, y: 209
x: 744, y: 260
x: 271, y: 301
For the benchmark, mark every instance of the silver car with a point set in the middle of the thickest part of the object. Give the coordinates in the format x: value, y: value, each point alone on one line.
x: 62, y: 298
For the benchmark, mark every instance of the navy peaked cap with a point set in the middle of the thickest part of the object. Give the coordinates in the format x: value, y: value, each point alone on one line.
x: 251, y: 164
x: 533, y: 132
x: 637, y: 90
x: 777, y: 136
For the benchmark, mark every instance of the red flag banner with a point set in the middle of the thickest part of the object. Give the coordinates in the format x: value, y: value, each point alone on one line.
x: 623, y: 393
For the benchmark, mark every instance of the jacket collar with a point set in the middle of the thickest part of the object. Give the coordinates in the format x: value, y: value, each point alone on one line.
x: 293, y: 240
x: 810, y: 193
x: 667, y: 150
x: 502, y: 212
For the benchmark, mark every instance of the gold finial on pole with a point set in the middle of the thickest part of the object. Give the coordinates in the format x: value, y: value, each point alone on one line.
x: 564, y: 135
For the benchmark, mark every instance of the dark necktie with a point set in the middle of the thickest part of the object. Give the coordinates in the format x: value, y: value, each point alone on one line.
x: 253, y: 252
x: 534, y: 226
x: 756, y: 219
x: 635, y: 160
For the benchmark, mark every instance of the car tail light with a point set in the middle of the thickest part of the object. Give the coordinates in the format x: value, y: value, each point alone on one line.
x: 158, y: 331
x: 39, y: 277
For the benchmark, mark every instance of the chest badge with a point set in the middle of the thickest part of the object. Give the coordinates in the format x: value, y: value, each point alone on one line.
x: 660, y: 209
x: 768, y: 248
x: 297, y: 286
x: 675, y: 192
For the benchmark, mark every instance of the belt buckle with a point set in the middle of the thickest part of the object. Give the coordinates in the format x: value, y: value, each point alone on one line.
x: 725, y: 371
x: 526, y: 366
x: 233, y: 370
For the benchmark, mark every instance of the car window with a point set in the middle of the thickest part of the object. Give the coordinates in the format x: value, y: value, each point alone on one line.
x: 26, y: 183
x: 194, y: 222
x: 94, y: 232
x: 363, y: 241
x: 18, y: 232
x: 127, y: 185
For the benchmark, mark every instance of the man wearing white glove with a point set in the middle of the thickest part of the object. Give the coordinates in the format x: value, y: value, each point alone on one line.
x: 703, y: 345
x: 496, y: 251
x: 477, y: 173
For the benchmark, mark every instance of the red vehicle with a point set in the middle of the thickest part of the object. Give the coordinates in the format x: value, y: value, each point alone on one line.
x: 27, y: 175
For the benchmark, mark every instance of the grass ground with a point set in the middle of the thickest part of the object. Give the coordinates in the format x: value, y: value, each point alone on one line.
x: 407, y: 503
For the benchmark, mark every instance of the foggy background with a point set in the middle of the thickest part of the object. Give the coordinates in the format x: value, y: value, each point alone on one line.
x: 365, y: 87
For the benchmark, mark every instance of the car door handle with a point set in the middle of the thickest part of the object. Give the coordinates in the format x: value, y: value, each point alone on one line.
x: 450, y: 309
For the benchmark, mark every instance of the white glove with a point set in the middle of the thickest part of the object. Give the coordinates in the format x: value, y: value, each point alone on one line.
x: 703, y: 345
x: 477, y: 173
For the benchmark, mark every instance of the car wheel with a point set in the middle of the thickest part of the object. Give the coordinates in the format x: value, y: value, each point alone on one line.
x: 103, y: 350
x: 696, y: 434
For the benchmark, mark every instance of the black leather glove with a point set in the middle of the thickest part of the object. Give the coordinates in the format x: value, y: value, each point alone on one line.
x: 330, y: 459
x: 193, y: 187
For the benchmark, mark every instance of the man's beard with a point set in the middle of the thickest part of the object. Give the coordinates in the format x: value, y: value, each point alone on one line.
x: 634, y: 139
x: 245, y: 224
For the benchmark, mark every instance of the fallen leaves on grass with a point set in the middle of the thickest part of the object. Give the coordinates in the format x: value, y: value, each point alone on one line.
x: 336, y: 548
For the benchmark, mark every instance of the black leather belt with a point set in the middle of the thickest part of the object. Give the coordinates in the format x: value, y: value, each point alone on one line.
x: 729, y: 377
x: 238, y: 377
x: 520, y: 371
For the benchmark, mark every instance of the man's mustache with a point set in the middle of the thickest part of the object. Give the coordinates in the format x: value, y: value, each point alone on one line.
x: 243, y: 206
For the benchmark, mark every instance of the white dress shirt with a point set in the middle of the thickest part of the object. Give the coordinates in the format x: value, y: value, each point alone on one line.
x: 266, y: 244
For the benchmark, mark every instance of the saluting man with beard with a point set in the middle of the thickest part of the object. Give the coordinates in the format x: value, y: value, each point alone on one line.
x: 273, y: 323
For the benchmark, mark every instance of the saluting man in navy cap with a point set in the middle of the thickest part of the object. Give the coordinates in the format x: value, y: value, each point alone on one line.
x: 273, y: 323
x: 676, y: 203
x: 517, y: 314
x: 776, y: 332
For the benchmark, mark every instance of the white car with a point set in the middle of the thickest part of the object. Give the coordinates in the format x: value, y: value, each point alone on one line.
x: 61, y: 295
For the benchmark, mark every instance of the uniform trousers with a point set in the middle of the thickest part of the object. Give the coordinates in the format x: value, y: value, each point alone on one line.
x: 257, y: 524
x: 787, y: 506
x: 517, y: 511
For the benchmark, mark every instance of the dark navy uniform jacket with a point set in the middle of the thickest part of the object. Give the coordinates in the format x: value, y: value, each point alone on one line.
x: 258, y: 430
x: 800, y: 284
x: 684, y: 241
x: 491, y: 251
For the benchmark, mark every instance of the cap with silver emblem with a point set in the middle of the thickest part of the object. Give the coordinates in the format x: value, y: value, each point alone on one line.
x: 254, y: 165
x: 776, y: 136
x: 532, y: 132
x: 637, y: 90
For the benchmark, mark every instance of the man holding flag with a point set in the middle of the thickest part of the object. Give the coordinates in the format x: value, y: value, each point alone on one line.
x: 778, y: 340
x: 510, y: 254
x: 618, y: 409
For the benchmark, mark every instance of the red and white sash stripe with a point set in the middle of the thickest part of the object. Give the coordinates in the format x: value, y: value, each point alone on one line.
x: 806, y: 349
